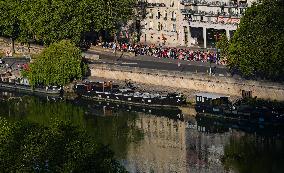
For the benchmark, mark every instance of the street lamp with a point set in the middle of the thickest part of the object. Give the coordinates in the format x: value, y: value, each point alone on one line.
x: 210, y: 70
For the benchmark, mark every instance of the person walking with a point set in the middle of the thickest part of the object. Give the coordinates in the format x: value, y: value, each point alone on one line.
x: 114, y: 47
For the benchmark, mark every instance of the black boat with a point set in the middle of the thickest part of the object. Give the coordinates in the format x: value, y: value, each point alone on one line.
x: 248, y: 110
x: 48, y: 90
x: 108, y: 91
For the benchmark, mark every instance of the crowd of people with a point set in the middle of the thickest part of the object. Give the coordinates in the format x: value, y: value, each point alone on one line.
x: 166, y: 52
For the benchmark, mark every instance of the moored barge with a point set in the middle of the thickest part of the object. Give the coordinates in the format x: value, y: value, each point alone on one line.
x: 247, y: 109
x: 111, y: 92
x: 16, y: 87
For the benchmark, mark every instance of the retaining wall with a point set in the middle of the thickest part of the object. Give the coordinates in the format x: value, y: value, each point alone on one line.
x: 192, y: 81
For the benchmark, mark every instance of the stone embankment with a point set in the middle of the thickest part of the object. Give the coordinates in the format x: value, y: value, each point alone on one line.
x: 191, y: 81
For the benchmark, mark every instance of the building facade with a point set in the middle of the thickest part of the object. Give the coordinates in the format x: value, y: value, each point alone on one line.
x: 164, y: 24
x: 191, y: 22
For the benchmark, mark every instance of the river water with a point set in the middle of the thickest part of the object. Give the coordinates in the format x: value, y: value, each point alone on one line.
x: 149, y: 140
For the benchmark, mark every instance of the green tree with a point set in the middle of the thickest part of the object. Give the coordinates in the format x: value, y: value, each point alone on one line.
x: 49, y: 21
x: 257, y: 47
x: 58, y: 64
x: 223, y: 45
x: 30, y: 147
x: 9, y: 20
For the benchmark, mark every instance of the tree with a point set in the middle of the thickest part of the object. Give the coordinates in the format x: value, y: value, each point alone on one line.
x: 257, y: 47
x: 10, y: 22
x: 223, y: 44
x: 61, y: 147
x: 58, y: 64
x: 49, y: 21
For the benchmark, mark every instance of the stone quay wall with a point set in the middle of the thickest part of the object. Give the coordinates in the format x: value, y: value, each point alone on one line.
x: 191, y: 81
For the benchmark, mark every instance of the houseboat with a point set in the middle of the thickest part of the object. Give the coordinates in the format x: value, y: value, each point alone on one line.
x: 246, y: 109
x: 109, y: 91
x: 10, y: 83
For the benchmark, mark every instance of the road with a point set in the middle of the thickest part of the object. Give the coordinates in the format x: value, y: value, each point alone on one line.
x: 159, y: 64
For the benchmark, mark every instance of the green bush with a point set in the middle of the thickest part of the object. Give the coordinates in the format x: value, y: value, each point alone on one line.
x: 58, y: 64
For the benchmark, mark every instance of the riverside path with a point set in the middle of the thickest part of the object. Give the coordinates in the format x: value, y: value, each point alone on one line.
x: 149, y: 62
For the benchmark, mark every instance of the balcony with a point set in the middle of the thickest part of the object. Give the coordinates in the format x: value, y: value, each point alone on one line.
x: 215, y: 25
x: 188, y: 2
x: 216, y: 3
x: 187, y: 11
x: 210, y: 14
x: 152, y: 5
x: 173, y: 19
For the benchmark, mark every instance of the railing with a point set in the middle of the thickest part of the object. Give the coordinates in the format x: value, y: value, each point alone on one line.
x: 151, y: 5
x: 213, y: 3
x: 204, y: 13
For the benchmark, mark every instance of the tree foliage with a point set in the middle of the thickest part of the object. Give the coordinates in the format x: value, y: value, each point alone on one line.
x: 257, y: 47
x: 30, y: 147
x: 223, y: 45
x: 48, y: 21
x: 58, y: 64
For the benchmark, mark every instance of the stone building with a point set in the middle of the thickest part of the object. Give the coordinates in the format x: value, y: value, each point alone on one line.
x: 208, y: 19
x: 165, y: 24
x: 191, y: 22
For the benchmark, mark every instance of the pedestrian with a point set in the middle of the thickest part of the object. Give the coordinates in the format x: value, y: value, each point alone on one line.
x: 114, y: 47
x: 179, y: 64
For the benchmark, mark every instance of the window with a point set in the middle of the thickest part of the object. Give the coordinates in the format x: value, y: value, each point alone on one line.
x: 151, y: 14
x: 158, y: 15
x: 174, y: 27
x: 159, y: 26
x: 151, y: 25
x: 165, y: 15
x: 173, y: 16
x: 172, y: 4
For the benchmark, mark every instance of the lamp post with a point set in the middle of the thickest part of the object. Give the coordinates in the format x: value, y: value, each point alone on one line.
x: 210, y: 69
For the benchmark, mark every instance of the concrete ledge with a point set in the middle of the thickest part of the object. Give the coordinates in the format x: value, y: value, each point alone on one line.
x: 191, y: 81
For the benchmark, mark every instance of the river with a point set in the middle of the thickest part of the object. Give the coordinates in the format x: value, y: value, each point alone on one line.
x: 149, y: 140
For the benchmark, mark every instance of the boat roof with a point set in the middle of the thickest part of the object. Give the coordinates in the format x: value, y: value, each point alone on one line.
x: 211, y: 95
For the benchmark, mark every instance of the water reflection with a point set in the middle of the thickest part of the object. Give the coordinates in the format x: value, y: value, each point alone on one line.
x: 41, y: 110
x: 163, y: 148
x: 153, y: 140
x: 249, y: 153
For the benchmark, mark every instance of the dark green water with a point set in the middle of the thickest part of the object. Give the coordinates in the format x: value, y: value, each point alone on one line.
x: 148, y: 140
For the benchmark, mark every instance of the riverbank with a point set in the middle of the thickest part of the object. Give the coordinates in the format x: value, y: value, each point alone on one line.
x: 189, y: 83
